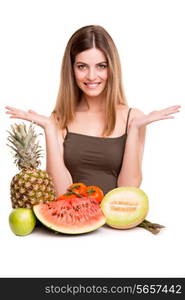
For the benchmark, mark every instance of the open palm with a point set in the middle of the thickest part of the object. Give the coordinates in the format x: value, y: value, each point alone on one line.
x: 29, y: 115
x: 156, y: 115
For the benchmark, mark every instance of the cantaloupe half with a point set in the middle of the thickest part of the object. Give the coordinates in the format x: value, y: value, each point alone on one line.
x: 125, y: 207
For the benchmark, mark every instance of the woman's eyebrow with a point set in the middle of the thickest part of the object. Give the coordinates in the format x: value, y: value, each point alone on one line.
x: 81, y: 62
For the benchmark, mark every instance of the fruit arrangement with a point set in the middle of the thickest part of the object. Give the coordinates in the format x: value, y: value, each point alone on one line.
x: 79, y: 210
x: 75, y: 212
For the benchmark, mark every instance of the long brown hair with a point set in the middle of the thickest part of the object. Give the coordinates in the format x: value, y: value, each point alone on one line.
x: 69, y: 93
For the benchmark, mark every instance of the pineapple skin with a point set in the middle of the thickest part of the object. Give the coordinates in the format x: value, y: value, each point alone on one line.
x: 30, y: 187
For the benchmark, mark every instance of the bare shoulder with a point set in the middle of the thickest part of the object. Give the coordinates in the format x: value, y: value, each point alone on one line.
x: 136, y: 112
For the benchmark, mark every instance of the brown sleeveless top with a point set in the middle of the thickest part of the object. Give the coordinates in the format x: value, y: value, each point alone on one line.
x: 95, y: 160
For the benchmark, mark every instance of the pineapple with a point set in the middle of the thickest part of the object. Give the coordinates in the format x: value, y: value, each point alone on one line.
x: 31, y: 185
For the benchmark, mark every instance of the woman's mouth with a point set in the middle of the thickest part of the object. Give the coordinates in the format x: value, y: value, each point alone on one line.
x: 92, y: 85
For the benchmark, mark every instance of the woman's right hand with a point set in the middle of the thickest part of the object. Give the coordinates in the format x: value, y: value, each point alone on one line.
x: 30, y: 116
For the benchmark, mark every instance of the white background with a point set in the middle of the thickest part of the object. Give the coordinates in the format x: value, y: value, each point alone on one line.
x: 150, y: 39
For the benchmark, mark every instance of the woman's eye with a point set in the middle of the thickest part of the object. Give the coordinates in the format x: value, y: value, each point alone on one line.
x: 102, y: 66
x: 81, y: 67
x: 84, y: 67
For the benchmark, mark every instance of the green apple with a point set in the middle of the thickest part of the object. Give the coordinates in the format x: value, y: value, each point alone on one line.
x: 22, y: 221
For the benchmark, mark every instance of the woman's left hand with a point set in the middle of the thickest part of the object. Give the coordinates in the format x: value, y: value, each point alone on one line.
x: 156, y: 115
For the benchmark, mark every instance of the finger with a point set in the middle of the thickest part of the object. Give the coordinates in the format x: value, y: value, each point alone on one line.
x: 169, y: 117
x: 165, y: 118
x: 9, y: 107
x: 18, y: 117
x: 12, y: 108
x: 172, y: 108
x: 14, y: 111
x: 172, y: 112
x: 21, y: 117
x: 176, y: 108
x: 10, y: 112
x: 32, y: 111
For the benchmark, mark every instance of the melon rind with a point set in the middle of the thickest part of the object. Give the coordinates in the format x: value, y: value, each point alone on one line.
x: 121, y: 219
x: 70, y: 229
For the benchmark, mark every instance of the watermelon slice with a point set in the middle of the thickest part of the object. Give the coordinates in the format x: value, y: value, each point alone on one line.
x: 71, y: 216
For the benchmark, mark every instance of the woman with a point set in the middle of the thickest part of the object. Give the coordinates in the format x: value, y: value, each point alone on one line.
x: 92, y: 135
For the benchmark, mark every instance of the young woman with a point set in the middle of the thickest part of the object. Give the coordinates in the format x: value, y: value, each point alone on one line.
x: 92, y: 136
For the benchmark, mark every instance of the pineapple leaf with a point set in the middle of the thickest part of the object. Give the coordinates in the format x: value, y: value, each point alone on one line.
x: 23, y: 142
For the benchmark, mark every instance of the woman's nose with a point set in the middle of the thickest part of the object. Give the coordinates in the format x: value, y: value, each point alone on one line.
x: 91, y: 75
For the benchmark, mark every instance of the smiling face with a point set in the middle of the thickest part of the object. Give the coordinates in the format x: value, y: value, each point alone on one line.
x: 90, y: 70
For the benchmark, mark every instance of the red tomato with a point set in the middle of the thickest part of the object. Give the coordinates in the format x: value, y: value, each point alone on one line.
x: 94, y: 192
x: 78, y: 188
x: 67, y: 195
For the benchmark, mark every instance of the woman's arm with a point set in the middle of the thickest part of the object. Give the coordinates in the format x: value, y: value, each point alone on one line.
x: 131, y: 171
x: 54, y: 146
x: 54, y: 159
